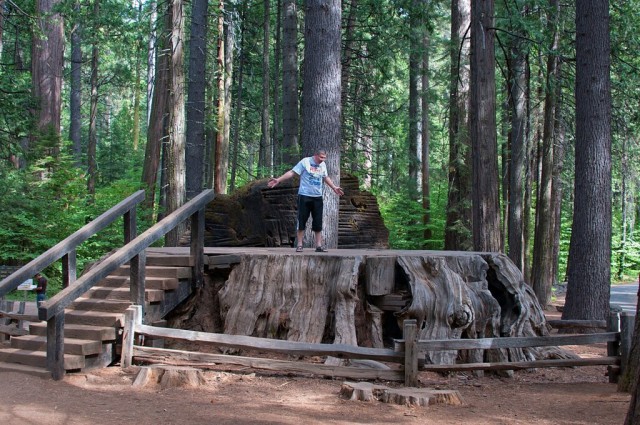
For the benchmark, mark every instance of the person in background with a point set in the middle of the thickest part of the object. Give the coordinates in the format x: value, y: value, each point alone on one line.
x: 313, y: 173
x: 41, y: 288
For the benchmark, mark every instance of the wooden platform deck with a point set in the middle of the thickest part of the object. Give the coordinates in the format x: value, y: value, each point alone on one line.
x: 217, y: 251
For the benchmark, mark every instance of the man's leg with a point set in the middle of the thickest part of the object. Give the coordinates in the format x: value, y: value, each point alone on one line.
x: 316, y: 226
x: 304, y: 211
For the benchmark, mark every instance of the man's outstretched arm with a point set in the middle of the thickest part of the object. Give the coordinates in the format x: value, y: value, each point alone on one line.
x: 273, y: 181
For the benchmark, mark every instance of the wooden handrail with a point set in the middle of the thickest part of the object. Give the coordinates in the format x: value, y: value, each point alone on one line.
x: 53, y: 310
x: 64, y: 298
x: 68, y: 245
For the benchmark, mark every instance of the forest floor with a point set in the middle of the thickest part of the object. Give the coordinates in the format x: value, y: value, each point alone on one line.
x: 241, y: 396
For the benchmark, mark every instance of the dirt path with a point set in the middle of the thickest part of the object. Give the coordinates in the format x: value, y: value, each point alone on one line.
x: 545, y: 396
x: 574, y: 396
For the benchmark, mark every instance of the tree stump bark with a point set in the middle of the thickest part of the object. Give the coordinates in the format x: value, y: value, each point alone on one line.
x: 362, y: 297
x: 292, y: 297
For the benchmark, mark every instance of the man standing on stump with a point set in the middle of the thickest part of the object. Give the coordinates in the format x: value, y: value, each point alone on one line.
x: 313, y: 173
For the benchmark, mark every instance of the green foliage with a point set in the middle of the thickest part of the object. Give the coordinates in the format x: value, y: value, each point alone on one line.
x: 43, y: 206
x: 403, y: 218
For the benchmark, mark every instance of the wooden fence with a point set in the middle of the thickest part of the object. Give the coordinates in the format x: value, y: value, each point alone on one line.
x: 405, y: 357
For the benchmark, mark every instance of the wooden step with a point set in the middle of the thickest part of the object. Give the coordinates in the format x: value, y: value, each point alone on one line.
x: 115, y: 281
x: 163, y: 283
x: 169, y: 260
x: 157, y: 271
x: 96, y: 318
x: 38, y: 358
x: 40, y: 372
x: 82, y: 347
x: 150, y: 295
x: 99, y: 333
x: 92, y: 304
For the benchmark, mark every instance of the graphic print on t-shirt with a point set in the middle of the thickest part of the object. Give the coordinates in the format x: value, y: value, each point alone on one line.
x: 315, y: 175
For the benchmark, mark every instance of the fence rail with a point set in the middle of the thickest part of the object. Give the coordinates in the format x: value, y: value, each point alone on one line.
x: 405, y: 353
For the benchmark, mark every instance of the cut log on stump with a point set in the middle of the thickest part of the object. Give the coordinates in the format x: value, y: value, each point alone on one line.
x: 169, y: 377
x: 366, y: 391
x: 255, y: 215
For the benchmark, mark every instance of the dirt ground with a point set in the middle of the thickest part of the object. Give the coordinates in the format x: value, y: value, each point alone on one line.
x: 545, y: 396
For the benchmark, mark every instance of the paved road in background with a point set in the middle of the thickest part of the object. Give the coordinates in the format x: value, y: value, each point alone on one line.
x: 625, y: 295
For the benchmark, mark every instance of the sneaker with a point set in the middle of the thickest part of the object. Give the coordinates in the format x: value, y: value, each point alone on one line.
x: 299, y: 249
x: 321, y: 249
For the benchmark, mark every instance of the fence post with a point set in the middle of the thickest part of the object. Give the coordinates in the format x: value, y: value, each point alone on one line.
x: 410, y: 333
x: 627, y: 322
x: 132, y: 317
x: 613, y: 348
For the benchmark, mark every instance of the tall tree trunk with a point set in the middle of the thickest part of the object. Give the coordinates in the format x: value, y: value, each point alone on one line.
x: 542, y: 277
x: 229, y: 39
x: 518, y: 101
x: 415, y: 58
x: 195, y: 135
x: 558, y: 165
x: 424, y: 100
x: 222, y: 144
x: 290, y: 114
x: 75, y: 101
x: 457, y: 235
x: 157, y: 131
x: 589, y: 268
x: 211, y: 100
x: 485, y: 194
x: 2, y: 27
x: 276, y: 138
x: 235, y: 146
x: 350, y: 135
x: 264, y: 162
x: 92, y: 166
x: 175, y: 160
x: 46, y: 75
x: 136, y: 104
x: 152, y: 56
x: 321, y: 106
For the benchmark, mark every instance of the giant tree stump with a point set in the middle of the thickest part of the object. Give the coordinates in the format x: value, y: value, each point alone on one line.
x: 362, y: 297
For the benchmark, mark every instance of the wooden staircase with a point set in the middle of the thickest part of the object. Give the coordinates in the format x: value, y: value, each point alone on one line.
x: 93, y: 323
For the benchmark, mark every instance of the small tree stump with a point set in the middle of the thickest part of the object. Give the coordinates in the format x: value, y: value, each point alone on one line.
x: 366, y: 391
x: 169, y: 377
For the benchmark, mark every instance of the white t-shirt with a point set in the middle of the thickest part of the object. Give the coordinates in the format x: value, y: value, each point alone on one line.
x: 311, y: 176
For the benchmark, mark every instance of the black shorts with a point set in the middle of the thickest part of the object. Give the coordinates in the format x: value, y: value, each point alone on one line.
x: 310, y: 206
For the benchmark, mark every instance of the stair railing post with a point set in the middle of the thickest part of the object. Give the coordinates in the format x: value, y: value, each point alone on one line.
x: 137, y: 278
x: 130, y: 226
x: 197, y: 248
x: 410, y: 336
x: 69, y: 268
x: 55, y: 346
